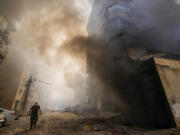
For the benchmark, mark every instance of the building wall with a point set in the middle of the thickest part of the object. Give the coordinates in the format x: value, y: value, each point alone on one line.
x: 134, y: 23
x: 131, y: 87
x: 25, y: 97
x: 136, y: 83
x: 169, y: 72
x: 38, y: 92
x: 111, y: 17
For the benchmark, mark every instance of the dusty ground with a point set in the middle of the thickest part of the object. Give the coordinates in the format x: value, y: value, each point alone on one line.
x: 57, y: 123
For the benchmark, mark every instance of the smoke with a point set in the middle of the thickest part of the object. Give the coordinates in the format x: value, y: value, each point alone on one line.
x: 47, y: 25
x: 157, y: 25
x: 151, y: 25
x: 10, y: 73
x: 11, y: 9
x: 51, y: 37
x: 162, y: 31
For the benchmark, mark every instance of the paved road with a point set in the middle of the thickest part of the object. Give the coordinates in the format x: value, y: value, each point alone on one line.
x: 57, y: 123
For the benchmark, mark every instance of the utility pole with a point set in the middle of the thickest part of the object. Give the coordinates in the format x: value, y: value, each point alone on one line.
x: 27, y: 91
x: 25, y: 100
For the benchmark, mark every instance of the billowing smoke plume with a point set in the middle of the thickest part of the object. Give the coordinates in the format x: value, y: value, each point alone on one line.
x: 50, y: 36
x: 158, y: 26
x: 153, y: 25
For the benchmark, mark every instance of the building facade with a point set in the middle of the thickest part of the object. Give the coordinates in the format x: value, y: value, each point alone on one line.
x: 26, y: 93
x: 169, y: 72
x: 29, y: 91
x: 119, y: 78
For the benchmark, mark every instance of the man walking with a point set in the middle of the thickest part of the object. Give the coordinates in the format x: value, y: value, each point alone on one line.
x: 34, y: 115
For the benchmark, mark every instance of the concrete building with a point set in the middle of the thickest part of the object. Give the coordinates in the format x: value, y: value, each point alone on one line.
x: 169, y: 72
x: 29, y: 91
x: 129, y: 76
x: 26, y: 93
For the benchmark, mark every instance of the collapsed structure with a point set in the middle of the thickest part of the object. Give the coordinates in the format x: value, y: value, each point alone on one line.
x: 126, y: 73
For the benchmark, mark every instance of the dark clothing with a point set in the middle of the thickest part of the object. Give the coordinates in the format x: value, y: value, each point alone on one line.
x: 35, y: 109
x: 34, y: 115
x: 33, y: 120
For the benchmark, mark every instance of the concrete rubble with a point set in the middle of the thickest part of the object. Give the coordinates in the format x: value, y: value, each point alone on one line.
x: 58, y: 123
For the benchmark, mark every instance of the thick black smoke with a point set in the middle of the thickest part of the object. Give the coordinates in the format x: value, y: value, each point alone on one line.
x: 152, y: 25
x: 161, y: 25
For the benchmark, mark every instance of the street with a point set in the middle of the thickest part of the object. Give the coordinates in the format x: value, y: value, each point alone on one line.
x: 58, y: 123
x: 92, y: 67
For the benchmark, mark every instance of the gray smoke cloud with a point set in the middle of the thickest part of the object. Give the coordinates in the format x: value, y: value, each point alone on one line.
x: 12, y: 10
x: 55, y: 33
x: 49, y: 36
x: 161, y: 24
x: 153, y: 25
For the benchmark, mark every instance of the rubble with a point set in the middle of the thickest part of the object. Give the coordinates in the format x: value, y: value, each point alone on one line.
x: 61, y: 123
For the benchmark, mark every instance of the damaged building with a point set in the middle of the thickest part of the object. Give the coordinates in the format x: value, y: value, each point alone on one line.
x: 131, y: 72
x: 29, y: 92
x: 26, y: 93
x: 168, y: 70
x: 121, y: 75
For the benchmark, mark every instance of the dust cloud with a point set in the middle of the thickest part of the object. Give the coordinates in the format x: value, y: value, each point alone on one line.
x: 49, y: 37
